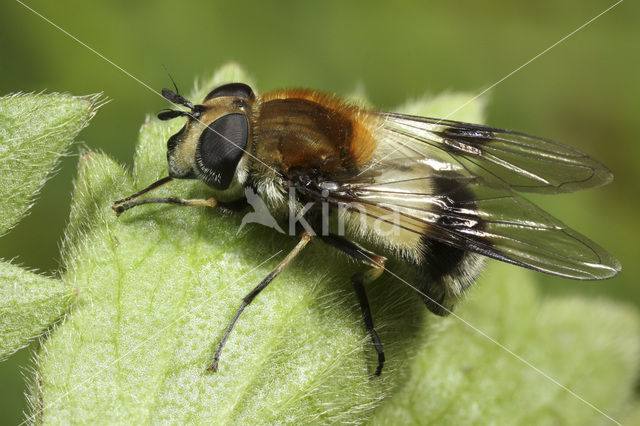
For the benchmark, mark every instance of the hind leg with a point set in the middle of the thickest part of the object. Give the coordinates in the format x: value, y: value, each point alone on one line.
x: 360, y: 280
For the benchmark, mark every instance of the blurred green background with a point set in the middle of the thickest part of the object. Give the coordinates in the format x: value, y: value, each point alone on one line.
x: 584, y: 92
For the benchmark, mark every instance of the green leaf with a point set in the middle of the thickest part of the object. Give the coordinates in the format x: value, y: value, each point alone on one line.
x: 590, y: 346
x: 465, y: 107
x: 35, y: 130
x: 156, y: 290
x: 29, y: 303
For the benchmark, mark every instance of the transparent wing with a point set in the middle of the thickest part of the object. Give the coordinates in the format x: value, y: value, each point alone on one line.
x: 471, y: 213
x: 522, y: 162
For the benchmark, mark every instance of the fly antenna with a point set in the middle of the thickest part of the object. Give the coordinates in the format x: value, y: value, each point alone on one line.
x: 175, y: 86
x: 175, y: 97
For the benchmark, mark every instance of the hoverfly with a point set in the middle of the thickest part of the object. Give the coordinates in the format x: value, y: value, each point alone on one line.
x: 438, y: 195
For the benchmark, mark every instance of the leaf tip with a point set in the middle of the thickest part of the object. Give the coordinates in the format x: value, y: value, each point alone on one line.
x: 96, y: 101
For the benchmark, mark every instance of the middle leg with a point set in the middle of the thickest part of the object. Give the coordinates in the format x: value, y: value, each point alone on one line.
x: 304, y: 240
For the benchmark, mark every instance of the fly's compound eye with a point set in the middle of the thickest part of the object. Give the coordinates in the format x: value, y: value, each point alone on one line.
x: 220, y: 148
x: 239, y: 90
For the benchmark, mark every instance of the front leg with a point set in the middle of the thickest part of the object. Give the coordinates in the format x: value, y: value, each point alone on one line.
x: 120, y: 208
x: 129, y: 202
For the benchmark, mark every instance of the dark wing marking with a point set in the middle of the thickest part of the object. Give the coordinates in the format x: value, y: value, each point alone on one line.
x: 522, y: 162
x: 486, y: 217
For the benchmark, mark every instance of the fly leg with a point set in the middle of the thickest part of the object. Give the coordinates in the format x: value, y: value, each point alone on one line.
x: 359, y: 280
x: 149, y: 188
x: 129, y: 202
x: 304, y: 240
x: 120, y: 208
